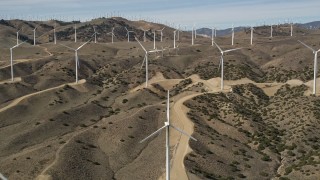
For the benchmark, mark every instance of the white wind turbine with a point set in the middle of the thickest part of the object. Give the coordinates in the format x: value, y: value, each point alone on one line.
x: 76, y: 56
x: 192, y: 40
x: 174, y: 38
x: 271, y: 31
x: 11, y: 59
x: 315, y: 66
x: 251, y: 38
x: 167, y: 127
x: 34, y: 35
x: 144, y: 34
x: 95, y: 34
x: 161, y: 33
x: 18, y: 36
x: 154, y: 39
x: 291, y: 29
x: 128, y: 33
x: 232, y: 36
x: 112, y: 34
x: 54, y: 33
x: 221, y: 61
x: 145, y: 59
x: 75, y: 32
x: 212, y: 35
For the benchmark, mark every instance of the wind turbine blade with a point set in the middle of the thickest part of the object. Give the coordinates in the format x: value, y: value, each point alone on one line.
x: 306, y: 45
x: 140, y: 44
x: 220, y: 63
x: 184, y: 133
x: 218, y: 46
x: 154, y: 51
x: 168, y: 107
x: 232, y: 50
x: 144, y: 59
x: 18, y: 45
x: 2, y: 177
x: 153, y: 134
x: 78, y: 62
x: 83, y: 44
x: 68, y: 47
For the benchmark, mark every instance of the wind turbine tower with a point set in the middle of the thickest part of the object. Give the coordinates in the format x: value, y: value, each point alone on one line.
x: 146, y: 59
x: 315, y: 66
x: 75, y: 33
x: 251, y: 39
x: 221, y: 62
x: 232, y: 35
x: 167, y: 127
x: 11, y: 59
x: 128, y: 33
x: 54, y: 34
x: 192, y: 42
x: 34, y: 35
x: 76, y: 56
x: 161, y: 31
x: 18, y: 36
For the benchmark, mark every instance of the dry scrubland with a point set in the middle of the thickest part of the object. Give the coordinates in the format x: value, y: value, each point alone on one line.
x: 53, y: 128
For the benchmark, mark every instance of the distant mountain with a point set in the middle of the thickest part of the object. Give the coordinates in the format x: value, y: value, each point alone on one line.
x: 310, y: 25
x: 223, y: 32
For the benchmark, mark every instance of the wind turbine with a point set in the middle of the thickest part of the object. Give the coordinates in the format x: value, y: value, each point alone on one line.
x: 221, y: 61
x: 112, y: 34
x: 161, y: 31
x: 251, y: 39
x: 76, y: 56
x: 174, y: 38
x: 291, y: 29
x: 315, y: 67
x: 192, y: 42
x: 75, y: 32
x: 34, y: 35
x: 18, y: 36
x: 128, y: 34
x: 54, y: 33
x: 212, y: 34
x: 154, y: 39
x: 11, y: 59
x: 271, y: 31
x: 144, y: 34
x: 167, y: 127
x: 95, y: 34
x: 145, y: 59
x: 232, y: 36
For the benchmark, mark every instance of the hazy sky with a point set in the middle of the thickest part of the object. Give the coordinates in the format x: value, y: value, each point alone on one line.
x: 208, y: 13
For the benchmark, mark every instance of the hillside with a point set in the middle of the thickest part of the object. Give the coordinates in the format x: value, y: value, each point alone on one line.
x: 263, y: 125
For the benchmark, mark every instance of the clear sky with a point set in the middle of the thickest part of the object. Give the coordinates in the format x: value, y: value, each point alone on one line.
x: 204, y: 13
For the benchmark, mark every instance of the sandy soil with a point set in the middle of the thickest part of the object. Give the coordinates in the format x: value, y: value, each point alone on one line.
x: 18, y: 100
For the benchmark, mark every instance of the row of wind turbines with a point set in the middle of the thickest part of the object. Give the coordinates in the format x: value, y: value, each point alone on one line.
x: 155, y: 50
